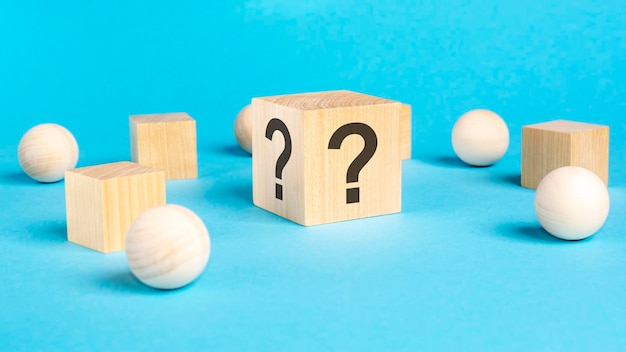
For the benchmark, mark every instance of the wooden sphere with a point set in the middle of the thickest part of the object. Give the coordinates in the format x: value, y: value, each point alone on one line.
x: 243, y: 129
x: 480, y: 137
x: 572, y: 203
x: 167, y: 246
x: 46, y: 151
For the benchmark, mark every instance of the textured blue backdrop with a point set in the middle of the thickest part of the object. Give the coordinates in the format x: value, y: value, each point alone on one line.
x: 465, y: 266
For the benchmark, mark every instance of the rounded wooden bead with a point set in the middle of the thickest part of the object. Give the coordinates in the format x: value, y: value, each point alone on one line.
x: 572, y: 203
x: 167, y: 246
x: 46, y: 151
x: 243, y: 129
x: 480, y: 137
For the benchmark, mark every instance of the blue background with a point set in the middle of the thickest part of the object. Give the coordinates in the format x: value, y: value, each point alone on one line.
x: 465, y: 266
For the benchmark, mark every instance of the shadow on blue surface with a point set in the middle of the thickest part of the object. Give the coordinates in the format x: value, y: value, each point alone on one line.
x: 447, y: 161
x: 514, y: 179
x: 232, y: 150
x: 528, y: 232
x: 125, y: 281
x: 49, y: 230
x: 534, y: 233
x: 16, y: 178
x: 240, y: 191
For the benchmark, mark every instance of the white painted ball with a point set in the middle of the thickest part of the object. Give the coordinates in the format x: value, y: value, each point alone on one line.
x: 243, y: 129
x: 480, y: 137
x: 167, y: 246
x: 46, y: 151
x: 572, y: 203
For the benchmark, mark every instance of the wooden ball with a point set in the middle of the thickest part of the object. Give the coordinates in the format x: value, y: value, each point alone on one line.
x: 46, y: 151
x: 572, y: 203
x: 243, y: 129
x: 480, y: 137
x: 167, y: 246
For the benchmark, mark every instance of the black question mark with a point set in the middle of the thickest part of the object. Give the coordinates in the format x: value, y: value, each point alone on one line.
x: 371, y: 143
x: 273, y: 126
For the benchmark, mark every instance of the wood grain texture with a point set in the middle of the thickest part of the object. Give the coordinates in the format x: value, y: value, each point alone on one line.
x: 325, y: 100
x: 344, y: 99
x: 167, y: 142
x: 480, y: 137
x: 314, y: 179
x: 243, y: 129
x: 550, y: 145
x: 103, y: 200
x: 167, y: 247
x: 405, y: 131
x: 46, y: 151
x: 572, y: 203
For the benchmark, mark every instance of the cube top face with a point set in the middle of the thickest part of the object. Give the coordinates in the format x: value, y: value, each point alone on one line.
x: 343, y: 99
x: 156, y: 118
x: 114, y: 170
x: 565, y: 126
x: 325, y: 100
x: 321, y: 181
x: 550, y: 145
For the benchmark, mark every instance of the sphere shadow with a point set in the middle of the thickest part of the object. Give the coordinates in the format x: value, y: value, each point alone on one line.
x: 528, y: 232
x: 125, y: 281
x: 446, y: 161
x: 451, y: 162
x: 17, y: 178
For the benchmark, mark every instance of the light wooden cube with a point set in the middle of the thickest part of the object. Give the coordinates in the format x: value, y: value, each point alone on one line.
x: 550, y: 145
x: 405, y: 131
x: 167, y: 142
x: 317, y: 183
x: 103, y: 200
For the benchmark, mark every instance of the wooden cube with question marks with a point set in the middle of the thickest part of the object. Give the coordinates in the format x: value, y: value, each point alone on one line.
x: 550, y: 145
x: 328, y: 156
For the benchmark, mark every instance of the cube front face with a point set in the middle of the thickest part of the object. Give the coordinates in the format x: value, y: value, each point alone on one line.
x: 167, y: 142
x: 321, y: 181
x: 102, y: 202
x: 342, y: 183
x: 550, y: 145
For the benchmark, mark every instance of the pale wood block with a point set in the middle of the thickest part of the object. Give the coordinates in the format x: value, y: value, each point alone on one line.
x: 550, y: 145
x: 167, y: 142
x: 405, y: 131
x: 103, y: 200
x: 314, y: 185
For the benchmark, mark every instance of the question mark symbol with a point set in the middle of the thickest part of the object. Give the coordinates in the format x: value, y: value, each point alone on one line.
x: 273, y: 126
x: 371, y: 143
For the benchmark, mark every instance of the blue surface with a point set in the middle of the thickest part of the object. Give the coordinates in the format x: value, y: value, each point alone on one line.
x: 465, y: 266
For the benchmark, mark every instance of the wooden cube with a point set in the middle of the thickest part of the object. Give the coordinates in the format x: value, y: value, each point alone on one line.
x: 103, y: 200
x: 167, y: 142
x: 550, y: 145
x: 405, y: 131
x: 327, y: 156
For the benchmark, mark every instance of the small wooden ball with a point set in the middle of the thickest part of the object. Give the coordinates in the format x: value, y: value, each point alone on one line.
x: 243, y: 129
x: 167, y: 246
x: 46, y: 151
x: 480, y: 137
x: 572, y: 203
